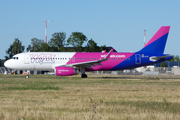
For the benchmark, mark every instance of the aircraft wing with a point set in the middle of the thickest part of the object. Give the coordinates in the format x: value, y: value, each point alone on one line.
x: 89, y: 64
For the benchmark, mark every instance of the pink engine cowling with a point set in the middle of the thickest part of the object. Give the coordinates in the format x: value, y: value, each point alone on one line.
x: 66, y: 71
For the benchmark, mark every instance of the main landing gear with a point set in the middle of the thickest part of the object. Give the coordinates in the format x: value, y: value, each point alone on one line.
x: 83, y: 75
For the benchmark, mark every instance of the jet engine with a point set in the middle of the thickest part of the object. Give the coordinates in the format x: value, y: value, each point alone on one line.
x: 65, y: 71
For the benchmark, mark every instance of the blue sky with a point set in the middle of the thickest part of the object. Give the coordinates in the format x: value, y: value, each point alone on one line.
x: 116, y: 23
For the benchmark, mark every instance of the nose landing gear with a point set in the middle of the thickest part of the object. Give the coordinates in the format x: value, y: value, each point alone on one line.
x: 27, y: 74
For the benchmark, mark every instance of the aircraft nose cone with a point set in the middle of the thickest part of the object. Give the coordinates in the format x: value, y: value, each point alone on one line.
x: 7, y: 64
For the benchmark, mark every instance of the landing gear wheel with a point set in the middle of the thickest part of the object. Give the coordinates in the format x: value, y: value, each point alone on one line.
x: 27, y: 76
x: 83, y: 76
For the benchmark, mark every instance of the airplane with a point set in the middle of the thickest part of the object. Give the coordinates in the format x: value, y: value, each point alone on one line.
x: 72, y: 63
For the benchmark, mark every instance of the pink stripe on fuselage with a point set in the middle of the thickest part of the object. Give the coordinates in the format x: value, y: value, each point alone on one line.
x: 113, y: 60
x: 161, y: 32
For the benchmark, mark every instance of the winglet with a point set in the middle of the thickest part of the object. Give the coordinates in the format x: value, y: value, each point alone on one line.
x: 103, y: 51
x: 108, y: 55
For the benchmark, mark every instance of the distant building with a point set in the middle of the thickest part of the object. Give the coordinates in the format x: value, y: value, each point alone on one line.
x: 168, y: 63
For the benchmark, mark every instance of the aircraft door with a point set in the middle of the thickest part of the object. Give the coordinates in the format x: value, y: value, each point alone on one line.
x: 138, y: 59
x: 26, y: 59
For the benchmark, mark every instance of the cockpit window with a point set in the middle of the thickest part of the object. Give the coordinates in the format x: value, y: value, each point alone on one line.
x: 16, y: 58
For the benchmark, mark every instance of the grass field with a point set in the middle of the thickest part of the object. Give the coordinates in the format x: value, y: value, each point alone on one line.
x: 95, y: 98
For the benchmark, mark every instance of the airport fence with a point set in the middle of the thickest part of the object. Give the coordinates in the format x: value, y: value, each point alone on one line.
x: 3, y: 69
x: 142, y: 71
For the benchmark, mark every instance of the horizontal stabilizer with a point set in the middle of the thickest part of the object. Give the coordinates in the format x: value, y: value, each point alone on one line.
x: 155, y: 58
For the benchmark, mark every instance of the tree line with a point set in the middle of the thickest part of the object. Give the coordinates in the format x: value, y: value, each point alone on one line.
x: 57, y: 43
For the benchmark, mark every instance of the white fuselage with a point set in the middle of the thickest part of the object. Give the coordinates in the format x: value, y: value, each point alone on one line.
x: 38, y: 60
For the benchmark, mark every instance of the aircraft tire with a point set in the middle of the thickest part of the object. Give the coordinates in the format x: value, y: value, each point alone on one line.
x: 83, y: 76
x: 27, y: 76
